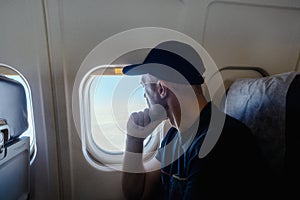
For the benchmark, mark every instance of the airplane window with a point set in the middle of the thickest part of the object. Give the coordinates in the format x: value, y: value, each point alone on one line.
x: 108, y: 98
x: 111, y: 106
x: 13, y: 74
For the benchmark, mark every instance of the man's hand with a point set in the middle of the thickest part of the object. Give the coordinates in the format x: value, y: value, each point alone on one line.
x: 136, y: 183
x: 141, y: 124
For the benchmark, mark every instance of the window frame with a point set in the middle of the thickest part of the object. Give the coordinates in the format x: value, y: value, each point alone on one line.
x: 95, y: 155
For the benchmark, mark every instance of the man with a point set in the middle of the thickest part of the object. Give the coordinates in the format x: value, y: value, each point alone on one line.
x: 171, y: 76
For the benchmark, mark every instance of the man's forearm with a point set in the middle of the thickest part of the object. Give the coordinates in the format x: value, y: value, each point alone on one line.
x: 133, y: 179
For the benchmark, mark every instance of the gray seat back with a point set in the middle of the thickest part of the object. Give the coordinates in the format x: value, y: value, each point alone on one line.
x: 14, y: 150
x: 260, y: 103
x: 13, y: 106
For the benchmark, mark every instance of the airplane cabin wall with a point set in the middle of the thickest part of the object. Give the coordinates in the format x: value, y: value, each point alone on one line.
x: 23, y: 46
x: 84, y: 24
x: 47, y: 41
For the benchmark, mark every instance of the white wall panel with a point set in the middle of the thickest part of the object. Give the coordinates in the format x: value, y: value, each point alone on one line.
x: 23, y: 45
x: 264, y: 34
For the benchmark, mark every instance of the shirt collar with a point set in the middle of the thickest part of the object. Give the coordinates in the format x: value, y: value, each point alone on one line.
x: 186, y: 138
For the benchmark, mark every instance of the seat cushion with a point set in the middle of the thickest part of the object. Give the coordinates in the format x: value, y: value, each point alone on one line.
x: 260, y: 103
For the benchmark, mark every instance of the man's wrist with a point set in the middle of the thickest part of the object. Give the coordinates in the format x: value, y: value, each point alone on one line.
x: 134, y: 144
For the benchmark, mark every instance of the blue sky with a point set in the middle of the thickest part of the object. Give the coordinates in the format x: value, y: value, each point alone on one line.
x: 123, y: 93
x: 113, y: 98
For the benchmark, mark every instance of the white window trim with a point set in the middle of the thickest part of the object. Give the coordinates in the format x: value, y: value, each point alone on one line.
x: 97, y: 157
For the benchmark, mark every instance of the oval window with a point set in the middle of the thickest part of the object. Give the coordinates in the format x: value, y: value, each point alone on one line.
x: 109, y: 98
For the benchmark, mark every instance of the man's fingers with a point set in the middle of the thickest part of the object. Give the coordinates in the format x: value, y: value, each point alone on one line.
x: 141, y: 124
x: 140, y: 121
x: 141, y: 118
x: 134, y: 118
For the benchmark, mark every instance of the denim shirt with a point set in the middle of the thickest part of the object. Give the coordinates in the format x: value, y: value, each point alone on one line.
x: 233, y: 159
x: 176, y: 153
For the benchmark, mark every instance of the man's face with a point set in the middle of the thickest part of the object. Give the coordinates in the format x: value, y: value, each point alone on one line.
x: 149, y: 84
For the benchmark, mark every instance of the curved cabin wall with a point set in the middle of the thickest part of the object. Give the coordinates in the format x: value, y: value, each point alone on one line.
x: 265, y: 36
x: 47, y: 41
x: 23, y: 46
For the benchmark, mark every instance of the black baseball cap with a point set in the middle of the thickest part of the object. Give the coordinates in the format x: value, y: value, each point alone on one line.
x: 172, y: 61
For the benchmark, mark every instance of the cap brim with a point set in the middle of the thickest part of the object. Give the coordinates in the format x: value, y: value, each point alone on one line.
x: 133, y: 70
x: 162, y: 72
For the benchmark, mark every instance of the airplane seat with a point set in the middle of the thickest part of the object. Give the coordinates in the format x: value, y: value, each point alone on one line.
x: 269, y: 106
x: 14, y: 149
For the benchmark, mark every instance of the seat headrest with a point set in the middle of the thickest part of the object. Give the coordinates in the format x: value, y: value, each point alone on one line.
x: 260, y: 103
x: 13, y: 106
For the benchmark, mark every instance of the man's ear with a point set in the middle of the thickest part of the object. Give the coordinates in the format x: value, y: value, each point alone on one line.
x: 162, y: 89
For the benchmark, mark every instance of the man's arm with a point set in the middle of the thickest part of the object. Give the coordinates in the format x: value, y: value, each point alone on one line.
x: 139, y: 181
x: 142, y: 185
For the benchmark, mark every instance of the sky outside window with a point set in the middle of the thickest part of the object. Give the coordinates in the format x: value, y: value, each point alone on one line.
x: 112, y: 101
